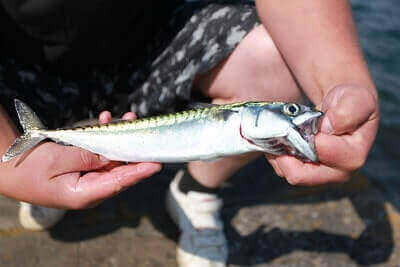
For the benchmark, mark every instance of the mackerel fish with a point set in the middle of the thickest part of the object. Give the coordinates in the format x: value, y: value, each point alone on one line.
x: 206, y: 133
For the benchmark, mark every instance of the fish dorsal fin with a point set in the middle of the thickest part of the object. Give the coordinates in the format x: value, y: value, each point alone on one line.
x: 198, y: 105
x: 226, y: 110
x: 119, y: 121
x: 233, y: 106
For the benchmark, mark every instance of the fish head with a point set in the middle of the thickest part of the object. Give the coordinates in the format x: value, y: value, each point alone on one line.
x: 281, y: 128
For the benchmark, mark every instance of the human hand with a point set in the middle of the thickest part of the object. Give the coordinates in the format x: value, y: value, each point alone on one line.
x: 66, y: 177
x: 346, y: 135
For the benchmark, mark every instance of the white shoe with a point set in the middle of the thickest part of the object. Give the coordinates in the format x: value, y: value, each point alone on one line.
x: 202, y: 242
x: 38, y: 218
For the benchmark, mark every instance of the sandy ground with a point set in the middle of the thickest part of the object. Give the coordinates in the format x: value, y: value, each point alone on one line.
x: 268, y: 223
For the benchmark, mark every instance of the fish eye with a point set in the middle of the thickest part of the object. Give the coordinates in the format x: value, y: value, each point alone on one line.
x: 291, y: 109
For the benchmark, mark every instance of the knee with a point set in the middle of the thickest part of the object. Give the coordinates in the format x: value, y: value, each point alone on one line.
x: 259, y: 52
x: 265, y: 66
x: 254, y: 71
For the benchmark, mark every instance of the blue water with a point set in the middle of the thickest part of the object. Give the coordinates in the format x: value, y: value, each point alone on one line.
x: 378, y: 24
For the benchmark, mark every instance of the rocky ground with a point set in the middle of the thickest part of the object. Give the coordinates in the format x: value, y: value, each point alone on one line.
x: 268, y: 223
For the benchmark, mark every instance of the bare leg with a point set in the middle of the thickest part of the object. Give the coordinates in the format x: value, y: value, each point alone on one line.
x: 254, y: 71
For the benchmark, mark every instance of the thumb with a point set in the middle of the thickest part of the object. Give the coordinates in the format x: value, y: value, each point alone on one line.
x: 347, y: 108
x: 73, y: 159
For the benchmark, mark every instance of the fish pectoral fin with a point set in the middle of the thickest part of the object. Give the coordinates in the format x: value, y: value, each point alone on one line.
x: 232, y: 107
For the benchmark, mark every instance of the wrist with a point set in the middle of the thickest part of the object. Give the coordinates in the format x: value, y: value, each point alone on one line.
x: 8, y: 131
x: 7, y: 180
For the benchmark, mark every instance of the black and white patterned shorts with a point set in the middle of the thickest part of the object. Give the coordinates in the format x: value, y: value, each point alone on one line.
x: 199, y: 35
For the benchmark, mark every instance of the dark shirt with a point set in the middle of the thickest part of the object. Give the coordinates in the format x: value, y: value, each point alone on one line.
x: 93, y: 31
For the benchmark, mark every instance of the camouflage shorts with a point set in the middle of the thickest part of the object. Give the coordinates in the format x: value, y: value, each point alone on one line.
x: 198, y: 36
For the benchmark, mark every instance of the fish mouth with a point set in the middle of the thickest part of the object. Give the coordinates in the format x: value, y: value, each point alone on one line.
x: 297, y: 140
x: 302, y: 136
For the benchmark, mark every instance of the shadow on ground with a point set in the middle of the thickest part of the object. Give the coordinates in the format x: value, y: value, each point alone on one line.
x: 254, y: 186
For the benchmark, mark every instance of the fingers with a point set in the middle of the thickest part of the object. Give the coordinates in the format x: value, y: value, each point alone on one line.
x: 272, y: 160
x: 347, y: 108
x: 348, y: 127
x: 297, y: 172
x: 55, y: 159
x: 347, y: 133
x: 109, y: 180
x: 105, y: 117
x: 62, y: 159
x: 346, y: 152
x: 65, y: 159
x: 129, y: 116
x: 94, y: 187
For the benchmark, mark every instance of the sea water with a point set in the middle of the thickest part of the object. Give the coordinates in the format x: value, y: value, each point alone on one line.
x: 378, y: 24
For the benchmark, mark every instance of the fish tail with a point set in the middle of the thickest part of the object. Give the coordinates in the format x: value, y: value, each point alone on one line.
x: 32, y: 127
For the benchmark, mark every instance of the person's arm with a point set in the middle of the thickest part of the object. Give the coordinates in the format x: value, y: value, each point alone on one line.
x: 319, y: 43
x: 61, y: 176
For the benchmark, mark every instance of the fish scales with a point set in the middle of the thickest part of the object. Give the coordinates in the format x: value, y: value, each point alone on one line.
x: 162, y: 120
x: 153, y: 139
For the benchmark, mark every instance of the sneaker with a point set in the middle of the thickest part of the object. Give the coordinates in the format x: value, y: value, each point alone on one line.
x: 38, y: 218
x: 202, y: 242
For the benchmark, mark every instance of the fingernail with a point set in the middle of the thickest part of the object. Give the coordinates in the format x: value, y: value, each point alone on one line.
x: 326, y: 126
x: 104, y: 159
